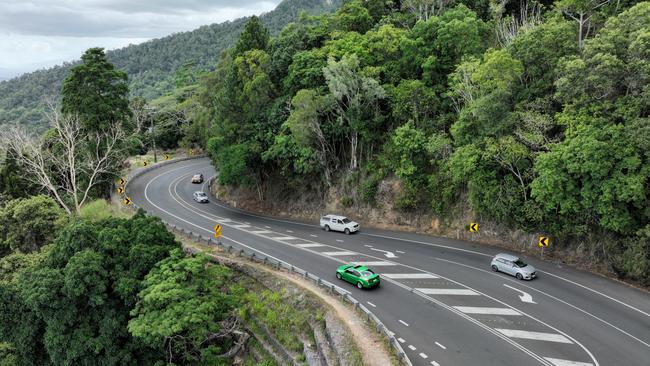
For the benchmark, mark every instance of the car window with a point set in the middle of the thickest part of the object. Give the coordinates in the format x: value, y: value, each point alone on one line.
x: 351, y: 271
x: 334, y: 221
x: 367, y: 273
x: 521, y: 264
x: 346, y: 220
x: 356, y: 273
x: 339, y: 221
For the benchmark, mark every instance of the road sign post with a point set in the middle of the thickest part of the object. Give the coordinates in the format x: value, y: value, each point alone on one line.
x: 120, y: 190
x: 126, y: 201
x: 473, y: 228
x: 543, y: 243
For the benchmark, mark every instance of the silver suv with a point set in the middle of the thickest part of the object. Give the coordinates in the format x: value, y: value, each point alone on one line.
x: 514, y: 266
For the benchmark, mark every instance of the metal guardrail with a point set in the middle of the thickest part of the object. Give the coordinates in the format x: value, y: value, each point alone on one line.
x: 276, y: 264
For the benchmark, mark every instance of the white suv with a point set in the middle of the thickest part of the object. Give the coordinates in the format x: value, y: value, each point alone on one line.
x: 338, y: 223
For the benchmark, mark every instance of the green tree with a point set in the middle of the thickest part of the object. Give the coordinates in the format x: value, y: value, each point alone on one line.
x: 29, y: 223
x: 254, y: 37
x: 354, y: 17
x: 186, y: 306
x: 97, y: 92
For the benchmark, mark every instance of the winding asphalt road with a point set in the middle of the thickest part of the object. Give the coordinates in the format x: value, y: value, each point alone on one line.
x: 438, y: 295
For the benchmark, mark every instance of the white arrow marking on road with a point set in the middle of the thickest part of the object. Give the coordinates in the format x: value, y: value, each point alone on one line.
x: 525, y: 297
x: 386, y: 253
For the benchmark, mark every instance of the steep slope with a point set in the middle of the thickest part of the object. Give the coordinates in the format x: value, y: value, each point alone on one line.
x: 151, y: 65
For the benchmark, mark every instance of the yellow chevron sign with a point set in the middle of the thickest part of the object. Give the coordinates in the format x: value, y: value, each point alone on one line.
x: 543, y: 241
x: 217, y: 231
x: 473, y: 227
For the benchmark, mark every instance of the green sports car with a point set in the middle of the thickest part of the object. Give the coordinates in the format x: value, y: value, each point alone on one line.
x: 360, y: 276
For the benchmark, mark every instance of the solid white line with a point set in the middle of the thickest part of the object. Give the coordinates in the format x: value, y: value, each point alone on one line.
x: 403, y: 276
x: 440, y: 345
x: 423, y: 355
x: 284, y: 238
x: 401, y: 340
x: 259, y: 232
x: 537, y: 336
x: 339, y: 253
x: 561, y: 362
x: 371, y: 304
x: 447, y: 291
x: 488, y: 311
x: 309, y: 245
x: 434, y: 363
x: 412, y: 347
x: 375, y: 264
x: 403, y: 322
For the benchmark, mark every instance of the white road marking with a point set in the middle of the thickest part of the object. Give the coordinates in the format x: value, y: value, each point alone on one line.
x: 409, y: 276
x: 339, y: 240
x: 284, y: 238
x: 537, y: 336
x: 260, y: 232
x: 339, y: 253
x: 524, y: 297
x: 560, y: 362
x: 446, y: 291
x: 399, y: 251
x: 309, y: 245
x: 313, y: 236
x: 289, y: 231
x: 371, y: 304
x: 412, y: 347
x: 386, y: 253
x: 247, y: 223
x: 434, y: 363
x: 240, y: 226
x: 401, y: 340
x: 374, y: 264
x: 440, y: 345
x: 366, y: 245
x: 488, y: 311
x: 423, y: 355
x: 266, y: 226
x: 403, y: 322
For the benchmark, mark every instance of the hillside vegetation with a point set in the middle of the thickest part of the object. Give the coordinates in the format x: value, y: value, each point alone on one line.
x: 151, y: 66
x: 518, y: 111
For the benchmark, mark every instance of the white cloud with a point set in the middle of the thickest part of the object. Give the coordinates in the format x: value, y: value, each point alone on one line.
x: 42, y: 33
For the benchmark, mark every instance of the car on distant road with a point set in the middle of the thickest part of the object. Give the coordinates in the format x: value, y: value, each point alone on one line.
x: 513, y: 266
x: 358, y: 275
x: 197, y: 178
x: 338, y: 223
x: 200, y: 197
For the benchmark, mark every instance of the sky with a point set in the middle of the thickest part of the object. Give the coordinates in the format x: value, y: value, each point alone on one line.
x: 37, y: 34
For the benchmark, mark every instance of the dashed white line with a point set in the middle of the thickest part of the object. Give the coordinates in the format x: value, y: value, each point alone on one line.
x: 405, y: 276
x: 411, y: 347
x: 401, y: 340
x: 440, y: 345
x: 403, y: 322
x: 339, y: 240
x: 240, y: 226
x: 371, y: 304
x: 366, y: 245
x: 487, y: 311
x: 399, y: 251
x: 313, y: 236
x: 266, y: 226
x: 284, y: 238
x: 333, y: 254
x: 560, y: 362
x: 423, y: 355
x: 290, y: 231
x: 434, y: 363
x: 309, y: 245
x: 260, y: 232
x: 374, y: 264
x: 447, y: 291
x: 537, y: 336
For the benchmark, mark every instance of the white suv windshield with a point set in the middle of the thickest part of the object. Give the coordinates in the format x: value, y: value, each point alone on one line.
x: 346, y: 221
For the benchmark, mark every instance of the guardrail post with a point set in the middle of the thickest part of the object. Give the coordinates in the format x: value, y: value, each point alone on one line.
x: 241, y: 252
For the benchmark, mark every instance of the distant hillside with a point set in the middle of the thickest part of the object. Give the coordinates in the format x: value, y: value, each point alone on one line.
x: 151, y: 65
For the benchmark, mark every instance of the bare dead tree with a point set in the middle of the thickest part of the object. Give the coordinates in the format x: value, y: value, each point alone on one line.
x: 530, y: 15
x: 582, y: 12
x: 69, y: 163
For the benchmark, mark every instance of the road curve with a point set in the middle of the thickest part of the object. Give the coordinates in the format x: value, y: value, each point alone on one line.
x: 438, y: 295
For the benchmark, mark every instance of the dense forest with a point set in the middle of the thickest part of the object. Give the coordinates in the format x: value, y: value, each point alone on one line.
x: 533, y: 115
x: 151, y: 66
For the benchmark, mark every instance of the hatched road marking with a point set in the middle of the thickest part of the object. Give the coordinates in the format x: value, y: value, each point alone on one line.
x: 488, y: 311
x: 423, y: 355
x: 560, y: 362
x: 309, y: 245
x: 411, y: 347
x: 537, y: 336
x: 339, y: 253
x: 440, y: 345
x: 284, y: 238
x: 375, y: 264
x: 403, y: 322
x: 260, y: 232
x: 404, y: 276
x: 446, y: 291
